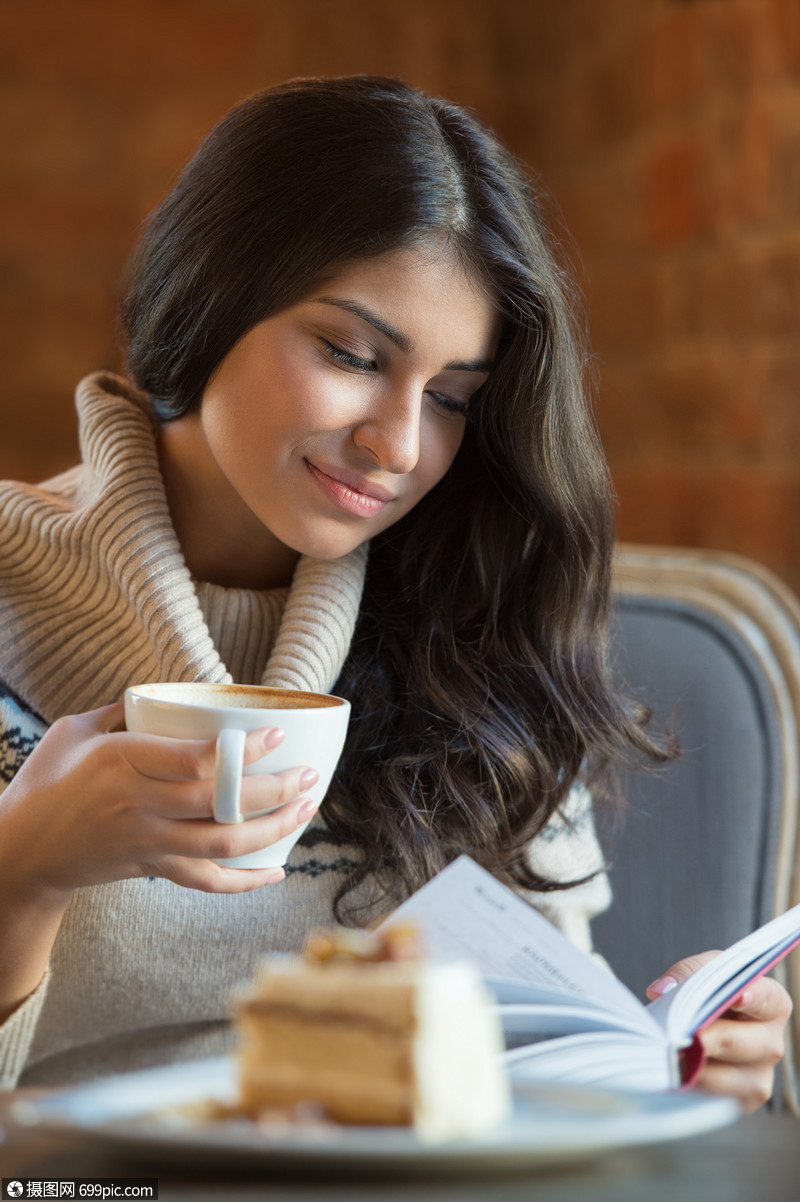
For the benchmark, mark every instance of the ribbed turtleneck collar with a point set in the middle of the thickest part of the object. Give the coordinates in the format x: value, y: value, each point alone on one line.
x: 95, y: 593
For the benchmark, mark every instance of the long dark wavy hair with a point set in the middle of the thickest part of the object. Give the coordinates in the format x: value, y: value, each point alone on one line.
x: 479, y: 673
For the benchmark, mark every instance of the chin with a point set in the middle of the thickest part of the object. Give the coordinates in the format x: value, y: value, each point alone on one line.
x: 327, y: 547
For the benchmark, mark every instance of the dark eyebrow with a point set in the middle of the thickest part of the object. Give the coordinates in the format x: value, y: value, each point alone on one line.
x: 480, y: 365
x: 400, y: 340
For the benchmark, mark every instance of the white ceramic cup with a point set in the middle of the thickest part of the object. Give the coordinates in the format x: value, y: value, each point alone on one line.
x: 314, y: 724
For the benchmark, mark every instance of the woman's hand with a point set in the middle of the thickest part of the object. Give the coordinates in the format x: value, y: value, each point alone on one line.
x: 95, y: 803
x: 745, y: 1043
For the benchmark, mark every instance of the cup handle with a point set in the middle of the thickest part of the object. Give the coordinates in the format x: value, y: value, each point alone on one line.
x: 228, y: 776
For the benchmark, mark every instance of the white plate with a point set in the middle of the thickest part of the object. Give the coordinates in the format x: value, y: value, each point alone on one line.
x: 549, y: 1125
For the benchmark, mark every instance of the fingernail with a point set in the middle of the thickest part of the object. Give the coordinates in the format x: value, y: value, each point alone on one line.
x: 309, y: 778
x: 307, y: 810
x: 274, y: 875
x: 662, y: 985
x: 273, y: 737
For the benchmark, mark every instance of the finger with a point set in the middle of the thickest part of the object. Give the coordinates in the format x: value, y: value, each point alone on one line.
x: 678, y: 973
x: 751, y: 1088
x: 208, y: 877
x: 220, y: 841
x: 763, y: 1001
x: 743, y: 1042
x: 267, y: 791
x: 102, y: 721
x: 175, y: 800
x: 162, y: 758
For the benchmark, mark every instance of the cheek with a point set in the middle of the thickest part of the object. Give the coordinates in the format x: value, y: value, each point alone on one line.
x: 441, y: 449
x: 306, y: 398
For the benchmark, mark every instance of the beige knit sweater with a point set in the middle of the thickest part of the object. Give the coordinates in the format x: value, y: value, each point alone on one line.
x: 95, y: 595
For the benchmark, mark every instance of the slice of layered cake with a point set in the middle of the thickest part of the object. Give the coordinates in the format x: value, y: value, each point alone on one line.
x: 368, y: 1032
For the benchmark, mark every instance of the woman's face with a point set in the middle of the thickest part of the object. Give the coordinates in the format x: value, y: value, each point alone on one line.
x: 333, y: 418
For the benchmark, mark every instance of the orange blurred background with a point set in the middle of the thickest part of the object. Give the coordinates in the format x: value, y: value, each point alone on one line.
x: 668, y: 134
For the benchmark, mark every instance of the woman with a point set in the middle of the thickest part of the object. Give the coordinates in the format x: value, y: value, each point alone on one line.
x: 346, y: 331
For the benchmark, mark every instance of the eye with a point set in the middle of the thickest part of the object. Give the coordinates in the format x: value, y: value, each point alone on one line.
x: 448, y: 405
x: 346, y: 359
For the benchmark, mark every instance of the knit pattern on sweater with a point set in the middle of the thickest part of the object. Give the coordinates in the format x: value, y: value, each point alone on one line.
x: 20, y: 730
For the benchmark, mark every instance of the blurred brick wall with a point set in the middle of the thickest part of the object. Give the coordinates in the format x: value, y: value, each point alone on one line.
x: 101, y: 103
x: 667, y: 131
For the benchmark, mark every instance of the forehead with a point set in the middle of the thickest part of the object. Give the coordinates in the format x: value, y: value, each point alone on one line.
x: 435, y: 259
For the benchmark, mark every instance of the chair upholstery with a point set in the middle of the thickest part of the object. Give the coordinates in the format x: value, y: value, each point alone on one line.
x: 708, y: 847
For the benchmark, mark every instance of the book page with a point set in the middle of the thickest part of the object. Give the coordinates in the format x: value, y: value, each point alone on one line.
x: 464, y: 911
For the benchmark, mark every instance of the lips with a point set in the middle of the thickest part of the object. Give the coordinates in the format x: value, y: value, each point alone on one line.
x: 349, y: 491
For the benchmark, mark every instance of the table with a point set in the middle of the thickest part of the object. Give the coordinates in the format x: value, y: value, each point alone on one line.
x: 755, y: 1160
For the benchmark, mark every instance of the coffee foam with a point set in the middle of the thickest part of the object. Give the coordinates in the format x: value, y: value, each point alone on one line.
x: 235, y: 696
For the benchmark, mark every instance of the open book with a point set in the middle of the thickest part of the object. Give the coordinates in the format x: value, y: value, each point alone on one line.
x: 565, y: 1016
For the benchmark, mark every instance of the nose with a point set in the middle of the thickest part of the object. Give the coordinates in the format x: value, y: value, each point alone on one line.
x: 391, y: 431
